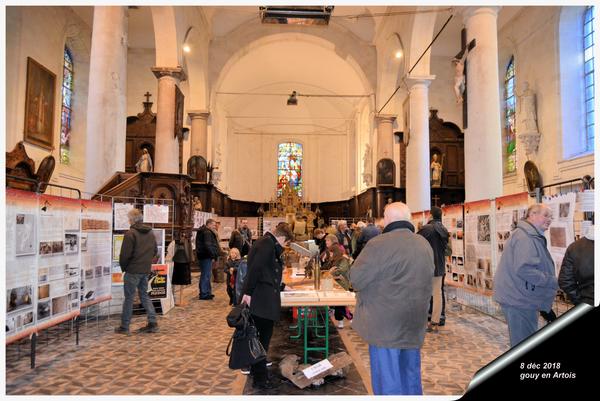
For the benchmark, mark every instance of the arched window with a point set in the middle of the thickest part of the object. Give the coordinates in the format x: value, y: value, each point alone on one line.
x: 289, y: 167
x: 67, y: 108
x: 588, y: 59
x: 510, y: 132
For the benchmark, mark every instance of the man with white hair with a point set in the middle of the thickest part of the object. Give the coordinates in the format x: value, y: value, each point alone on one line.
x: 137, y: 251
x: 525, y: 282
x: 392, y: 277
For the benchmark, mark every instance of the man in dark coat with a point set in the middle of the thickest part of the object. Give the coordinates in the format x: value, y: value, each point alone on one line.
x: 576, y: 276
x: 368, y: 232
x: 437, y: 236
x: 137, y: 251
x: 262, y: 288
x: 247, y: 238
x: 207, y: 250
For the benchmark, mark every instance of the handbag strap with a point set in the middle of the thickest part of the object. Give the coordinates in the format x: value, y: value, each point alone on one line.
x: 228, y: 349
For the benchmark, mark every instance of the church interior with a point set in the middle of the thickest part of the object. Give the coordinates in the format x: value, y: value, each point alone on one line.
x: 304, y: 114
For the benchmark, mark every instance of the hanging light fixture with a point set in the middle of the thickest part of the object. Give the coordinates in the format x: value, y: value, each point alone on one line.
x: 292, y: 100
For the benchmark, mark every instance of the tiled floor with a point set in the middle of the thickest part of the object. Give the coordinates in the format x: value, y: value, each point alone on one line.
x: 188, y: 356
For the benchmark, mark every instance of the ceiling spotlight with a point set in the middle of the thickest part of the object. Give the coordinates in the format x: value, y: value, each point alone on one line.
x: 186, y: 48
x: 292, y: 100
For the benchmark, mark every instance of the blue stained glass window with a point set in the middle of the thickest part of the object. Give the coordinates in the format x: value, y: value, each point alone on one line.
x: 289, y: 167
x: 67, y: 96
x: 589, y: 74
x: 510, y: 132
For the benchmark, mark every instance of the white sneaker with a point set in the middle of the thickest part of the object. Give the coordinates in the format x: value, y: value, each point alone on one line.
x: 340, y: 324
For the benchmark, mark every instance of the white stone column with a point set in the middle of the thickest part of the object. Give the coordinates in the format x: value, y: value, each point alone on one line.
x: 483, y: 141
x: 418, y: 186
x: 166, y: 153
x: 385, y: 136
x: 107, y: 97
x: 199, y: 134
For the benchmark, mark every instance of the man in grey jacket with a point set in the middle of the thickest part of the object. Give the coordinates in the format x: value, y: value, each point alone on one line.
x: 137, y: 251
x: 525, y: 281
x: 392, y: 278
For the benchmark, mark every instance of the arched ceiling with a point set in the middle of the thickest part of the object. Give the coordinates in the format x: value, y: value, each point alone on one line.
x: 278, y: 68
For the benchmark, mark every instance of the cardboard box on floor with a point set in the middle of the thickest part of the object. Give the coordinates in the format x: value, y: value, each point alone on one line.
x: 290, y: 368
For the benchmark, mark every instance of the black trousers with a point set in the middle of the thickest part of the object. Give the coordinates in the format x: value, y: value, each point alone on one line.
x: 265, y: 331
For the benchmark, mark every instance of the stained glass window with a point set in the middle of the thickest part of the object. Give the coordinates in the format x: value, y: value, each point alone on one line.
x: 66, y: 111
x: 510, y: 132
x: 589, y: 76
x: 289, y: 167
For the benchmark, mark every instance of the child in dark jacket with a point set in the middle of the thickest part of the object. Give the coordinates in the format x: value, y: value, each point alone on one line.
x: 231, y: 267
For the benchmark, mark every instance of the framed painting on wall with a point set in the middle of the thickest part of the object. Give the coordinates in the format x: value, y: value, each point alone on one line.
x: 39, y: 105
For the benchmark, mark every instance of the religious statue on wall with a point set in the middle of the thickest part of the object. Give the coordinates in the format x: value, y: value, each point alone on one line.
x: 527, y: 128
x: 459, y: 77
x: 216, y: 175
x: 367, y: 175
x: 144, y: 164
x: 436, y: 172
x: 196, y: 204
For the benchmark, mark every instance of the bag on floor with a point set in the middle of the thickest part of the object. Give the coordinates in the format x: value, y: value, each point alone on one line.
x: 244, y: 348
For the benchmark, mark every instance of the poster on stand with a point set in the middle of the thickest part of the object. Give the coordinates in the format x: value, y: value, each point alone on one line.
x: 96, y: 251
x: 478, y: 245
x: 121, y: 221
x: 158, y: 281
x: 452, y: 219
x: 21, y: 263
x: 156, y: 214
x: 561, y: 232
x: 509, y: 211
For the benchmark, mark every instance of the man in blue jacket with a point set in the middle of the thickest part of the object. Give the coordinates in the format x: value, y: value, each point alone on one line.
x: 525, y: 281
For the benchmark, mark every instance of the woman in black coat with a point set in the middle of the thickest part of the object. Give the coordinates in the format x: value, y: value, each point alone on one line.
x: 262, y: 288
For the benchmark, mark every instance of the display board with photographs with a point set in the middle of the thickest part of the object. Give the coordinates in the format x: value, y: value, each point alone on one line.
x: 95, y: 247
x: 561, y: 232
x: 269, y: 223
x: 59, y: 272
x: 453, y: 220
x: 21, y: 262
x: 508, y: 211
x: 199, y: 220
x: 478, y: 245
x: 225, y: 226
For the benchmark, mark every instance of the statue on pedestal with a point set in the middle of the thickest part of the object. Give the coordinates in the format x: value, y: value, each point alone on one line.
x: 436, y: 172
x: 144, y: 164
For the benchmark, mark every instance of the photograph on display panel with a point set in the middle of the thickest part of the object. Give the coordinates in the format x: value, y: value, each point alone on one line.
x: 25, y: 234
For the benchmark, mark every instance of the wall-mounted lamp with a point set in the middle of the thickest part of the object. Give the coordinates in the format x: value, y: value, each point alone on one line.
x: 186, y: 45
x: 292, y: 100
x: 45, y: 207
x: 186, y: 48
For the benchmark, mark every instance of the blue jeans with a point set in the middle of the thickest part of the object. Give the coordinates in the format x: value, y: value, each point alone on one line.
x: 521, y: 323
x: 395, y: 371
x: 139, y: 281
x: 205, y: 274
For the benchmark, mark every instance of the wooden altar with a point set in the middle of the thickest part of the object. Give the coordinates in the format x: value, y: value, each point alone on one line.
x: 296, y: 211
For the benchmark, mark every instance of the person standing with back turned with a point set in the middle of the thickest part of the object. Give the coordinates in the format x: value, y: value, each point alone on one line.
x: 137, y: 251
x: 392, y: 278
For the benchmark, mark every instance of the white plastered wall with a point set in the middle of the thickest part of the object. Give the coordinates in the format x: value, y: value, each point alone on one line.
x: 40, y: 33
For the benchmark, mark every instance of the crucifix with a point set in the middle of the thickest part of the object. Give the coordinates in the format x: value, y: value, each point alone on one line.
x: 435, y: 199
x: 147, y: 95
x: 460, y: 77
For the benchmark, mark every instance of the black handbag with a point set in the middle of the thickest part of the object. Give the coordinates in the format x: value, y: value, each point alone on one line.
x: 244, y: 348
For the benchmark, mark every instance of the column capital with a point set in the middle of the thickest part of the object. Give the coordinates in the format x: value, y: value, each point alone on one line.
x: 419, y: 80
x: 201, y: 114
x: 175, y: 72
x: 468, y: 12
x: 385, y: 117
